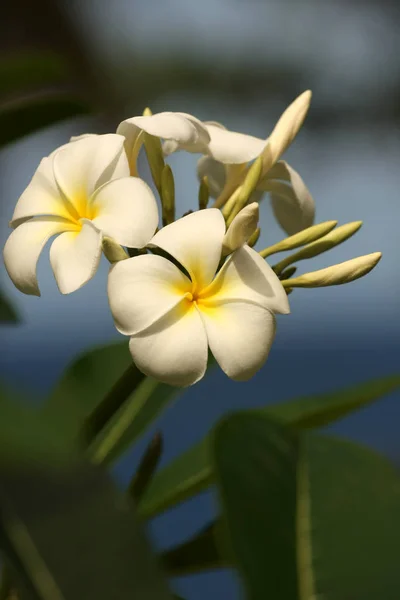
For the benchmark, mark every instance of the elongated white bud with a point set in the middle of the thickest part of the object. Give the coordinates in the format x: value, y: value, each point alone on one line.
x: 337, y: 274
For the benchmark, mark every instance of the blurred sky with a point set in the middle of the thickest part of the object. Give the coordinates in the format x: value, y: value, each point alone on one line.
x: 347, y: 53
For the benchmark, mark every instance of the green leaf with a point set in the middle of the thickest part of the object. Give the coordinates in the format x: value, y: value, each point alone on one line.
x: 317, y: 411
x: 198, y: 554
x: 25, y: 71
x: 84, y: 401
x: 131, y: 420
x: 84, y: 385
x: 255, y: 461
x: 8, y: 313
x: 314, y: 517
x: 21, y: 118
x: 68, y: 534
x: 348, y: 522
x: 191, y: 472
x: 186, y: 475
x: 27, y: 437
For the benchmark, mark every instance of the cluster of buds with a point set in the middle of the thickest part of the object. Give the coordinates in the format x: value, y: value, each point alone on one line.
x: 196, y: 283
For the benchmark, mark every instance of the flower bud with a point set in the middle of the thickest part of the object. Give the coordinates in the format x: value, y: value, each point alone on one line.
x: 113, y: 251
x: 204, y: 193
x: 247, y: 188
x: 152, y: 146
x: 285, y: 130
x: 337, y: 274
x: 241, y: 229
x: 329, y: 241
x: 167, y: 195
x: 300, y: 239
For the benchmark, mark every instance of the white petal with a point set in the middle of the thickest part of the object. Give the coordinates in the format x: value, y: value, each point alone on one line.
x: 75, y: 256
x: 247, y: 277
x: 86, y: 164
x: 183, y: 128
x: 293, y: 205
x: 240, y: 336
x: 215, y: 173
x: 126, y: 210
x: 143, y: 289
x: 196, y: 243
x: 230, y: 147
x: 76, y: 138
x: 41, y: 197
x: 24, y: 246
x: 173, y: 350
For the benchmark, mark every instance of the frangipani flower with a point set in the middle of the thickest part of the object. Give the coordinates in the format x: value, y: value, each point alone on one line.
x: 185, y: 132
x: 292, y: 203
x: 80, y: 191
x: 173, y: 318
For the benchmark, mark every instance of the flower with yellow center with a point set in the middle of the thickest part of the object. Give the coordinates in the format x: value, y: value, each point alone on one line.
x: 81, y: 191
x: 173, y: 318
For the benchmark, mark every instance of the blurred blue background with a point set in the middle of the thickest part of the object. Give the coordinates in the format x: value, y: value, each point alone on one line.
x: 240, y: 63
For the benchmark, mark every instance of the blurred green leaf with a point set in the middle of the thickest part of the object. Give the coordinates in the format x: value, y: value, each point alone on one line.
x: 306, y: 518
x: 255, y: 461
x: 348, y: 523
x: 131, y: 420
x: 25, y: 71
x: 68, y: 534
x: 8, y: 313
x: 21, y: 118
x: 84, y: 385
x: 26, y: 436
x: 317, y: 411
x: 191, y: 472
x: 198, y: 554
x: 87, y: 383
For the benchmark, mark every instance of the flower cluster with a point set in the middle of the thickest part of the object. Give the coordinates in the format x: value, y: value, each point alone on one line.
x: 196, y: 283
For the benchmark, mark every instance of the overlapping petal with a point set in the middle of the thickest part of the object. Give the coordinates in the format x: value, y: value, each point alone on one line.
x: 292, y: 203
x: 23, y: 247
x: 246, y: 277
x: 174, y: 349
x: 195, y: 241
x: 240, y: 336
x: 182, y: 129
x: 144, y: 289
x: 215, y: 173
x: 231, y: 147
x: 75, y: 257
x: 126, y: 210
x: 84, y: 165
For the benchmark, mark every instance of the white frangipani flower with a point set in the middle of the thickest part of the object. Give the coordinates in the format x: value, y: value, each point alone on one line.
x: 173, y: 319
x: 80, y: 191
x: 292, y: 202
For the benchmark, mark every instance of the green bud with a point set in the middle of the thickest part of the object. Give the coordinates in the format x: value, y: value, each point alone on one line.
x: 247, y: 188
x: 230, y: 204
x: 204, y: 193
x: 113, y: 251
x: 287, y: 273
x: 253, y: 239
x: 147, y: 112
x: 329, y: 241
x: 167, y: 195
x: 154, y: 153
x: 300, y: 239
x: 337, y: 274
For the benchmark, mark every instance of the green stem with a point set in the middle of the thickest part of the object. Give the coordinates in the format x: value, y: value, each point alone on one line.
x: 146, y: 468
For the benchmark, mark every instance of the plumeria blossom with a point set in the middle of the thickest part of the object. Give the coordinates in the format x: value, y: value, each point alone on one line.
x: 173, y: 317
x: 80, y: 192
x: 292, y: 202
